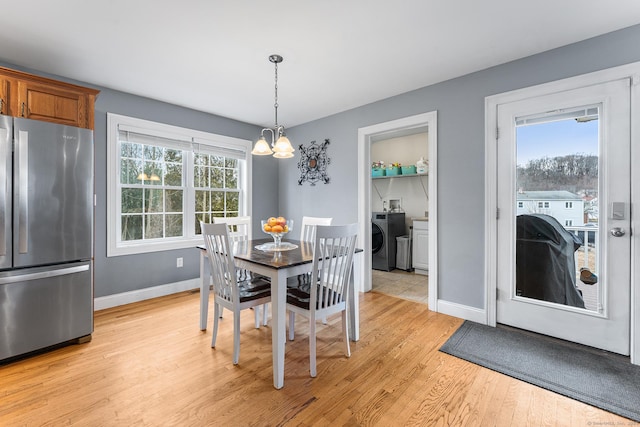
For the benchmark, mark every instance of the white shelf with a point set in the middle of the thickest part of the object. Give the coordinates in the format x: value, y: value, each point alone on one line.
x: 400, y: 176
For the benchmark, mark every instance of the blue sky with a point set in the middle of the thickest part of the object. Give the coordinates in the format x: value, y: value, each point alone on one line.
x: 556, y: 139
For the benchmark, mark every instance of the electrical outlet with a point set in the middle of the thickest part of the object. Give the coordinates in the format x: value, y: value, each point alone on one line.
x: 179, y: 262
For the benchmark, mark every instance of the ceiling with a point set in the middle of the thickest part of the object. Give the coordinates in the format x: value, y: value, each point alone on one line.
x: 212, y: 55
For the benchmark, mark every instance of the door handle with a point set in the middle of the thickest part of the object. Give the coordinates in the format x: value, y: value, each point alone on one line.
x: 43, y: 274
x: 5, y: 147
x: 22, y: 154
x: 617, y: 231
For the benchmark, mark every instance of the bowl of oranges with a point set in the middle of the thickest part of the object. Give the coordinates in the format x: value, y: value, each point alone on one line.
x: 277, y: 227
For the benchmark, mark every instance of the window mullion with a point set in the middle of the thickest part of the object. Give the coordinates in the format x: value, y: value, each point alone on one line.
x: 189, y: 197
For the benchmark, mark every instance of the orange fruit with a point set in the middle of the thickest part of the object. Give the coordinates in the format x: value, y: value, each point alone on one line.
x: 277, y: 228
x: 267, y: 228
x: 272, y: 221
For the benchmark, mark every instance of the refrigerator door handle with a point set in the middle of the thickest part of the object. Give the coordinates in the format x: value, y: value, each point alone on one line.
x: 43, y: 274
x: 22, y: 151
x: 4, y: 209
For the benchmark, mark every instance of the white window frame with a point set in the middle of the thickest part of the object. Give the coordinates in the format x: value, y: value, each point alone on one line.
x: 568, y: 223
x: 568, y: 205
x: 196, y: 139
x: 520, y: 205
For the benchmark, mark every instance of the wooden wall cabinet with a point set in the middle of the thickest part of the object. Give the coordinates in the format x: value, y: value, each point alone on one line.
x: 39, y: 98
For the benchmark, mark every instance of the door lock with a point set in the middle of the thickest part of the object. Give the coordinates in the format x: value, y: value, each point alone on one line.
x: 617, y: 231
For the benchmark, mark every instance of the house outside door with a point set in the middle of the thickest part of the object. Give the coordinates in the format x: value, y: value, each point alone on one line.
x: 542, y: 178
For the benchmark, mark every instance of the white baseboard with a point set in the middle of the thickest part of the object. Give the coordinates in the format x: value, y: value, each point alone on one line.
x: 462, y: 311
x: 115, y: 300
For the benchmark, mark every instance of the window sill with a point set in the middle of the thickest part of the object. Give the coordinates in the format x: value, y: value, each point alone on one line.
x: 141, y: 248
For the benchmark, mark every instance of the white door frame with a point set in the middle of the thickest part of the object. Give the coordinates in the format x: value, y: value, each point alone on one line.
x: 390, y: 130
x: 491, y: 197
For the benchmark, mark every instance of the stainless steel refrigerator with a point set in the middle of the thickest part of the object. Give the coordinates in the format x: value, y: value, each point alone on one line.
x: 46, y: 235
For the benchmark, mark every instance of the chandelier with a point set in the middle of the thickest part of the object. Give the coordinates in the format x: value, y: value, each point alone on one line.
x: 279, y: 146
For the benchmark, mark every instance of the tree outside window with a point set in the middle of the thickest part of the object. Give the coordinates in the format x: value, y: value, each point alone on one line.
x: 217, y: 191
x: 152, y: 192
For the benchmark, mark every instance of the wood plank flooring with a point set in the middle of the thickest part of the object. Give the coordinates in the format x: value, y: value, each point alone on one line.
x: 149, y: 365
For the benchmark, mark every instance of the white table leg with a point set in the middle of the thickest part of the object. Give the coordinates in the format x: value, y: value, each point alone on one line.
x: 204, y: 292
x: 278, y: 325
x: 354, y: 302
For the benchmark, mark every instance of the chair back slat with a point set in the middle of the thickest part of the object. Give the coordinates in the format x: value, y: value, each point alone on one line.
x: 220, y: 254
x: 239, y: 231
x: 308, y: 227
x: 239, y: 227
x: 334, y: 247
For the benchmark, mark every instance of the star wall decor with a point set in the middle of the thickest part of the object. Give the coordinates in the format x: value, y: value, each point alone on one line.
x: 313, y: 163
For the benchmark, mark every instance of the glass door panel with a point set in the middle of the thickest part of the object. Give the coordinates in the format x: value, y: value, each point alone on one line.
x: 557, y: 256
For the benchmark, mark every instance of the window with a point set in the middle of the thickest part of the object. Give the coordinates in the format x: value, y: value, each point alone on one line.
x: 217, y: 193
x: 164, y: 180
x: 151, y: 188
x: 520, y: 205
x: 568, y: 222
x: 568, y: 205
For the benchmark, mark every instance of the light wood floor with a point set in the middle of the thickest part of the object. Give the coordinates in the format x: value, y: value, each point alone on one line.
x: 149, y: 365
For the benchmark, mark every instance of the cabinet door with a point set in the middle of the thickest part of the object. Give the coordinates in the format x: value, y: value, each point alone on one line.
x: 421, y: 249
x: 4, y: 96
x: 51, y: 104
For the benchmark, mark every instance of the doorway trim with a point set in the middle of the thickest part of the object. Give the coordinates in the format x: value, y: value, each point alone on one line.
x: 631, y: 71
x: 391, y: 129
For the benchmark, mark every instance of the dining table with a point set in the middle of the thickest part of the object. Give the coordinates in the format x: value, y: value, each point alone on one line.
x: 293, y: 258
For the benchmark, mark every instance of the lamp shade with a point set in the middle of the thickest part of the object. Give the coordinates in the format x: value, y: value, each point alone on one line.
x: 283, y: 146
x: 282, y: 155
x: 261, y: 148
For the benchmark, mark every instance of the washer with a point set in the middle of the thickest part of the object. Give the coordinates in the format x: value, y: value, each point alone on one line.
x: 385, y: 227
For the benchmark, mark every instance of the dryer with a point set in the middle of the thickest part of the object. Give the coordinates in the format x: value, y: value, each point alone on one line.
x: 385, y: 227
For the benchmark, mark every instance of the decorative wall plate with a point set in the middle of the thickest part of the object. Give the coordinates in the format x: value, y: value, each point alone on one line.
x: 313, y: 163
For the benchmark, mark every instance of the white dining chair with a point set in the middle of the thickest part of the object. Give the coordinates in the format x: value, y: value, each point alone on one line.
x: 308, y: 234
x: 230, y: 292
x: 239, y: 228
x: 308, y: 227
x: 328, y: 290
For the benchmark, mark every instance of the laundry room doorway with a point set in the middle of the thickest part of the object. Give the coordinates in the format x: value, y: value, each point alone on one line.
x: 398, y: 199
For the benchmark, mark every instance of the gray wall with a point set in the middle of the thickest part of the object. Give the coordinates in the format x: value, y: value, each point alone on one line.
x: 460, y: 106
x: 124, y: 273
